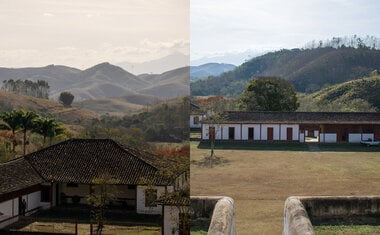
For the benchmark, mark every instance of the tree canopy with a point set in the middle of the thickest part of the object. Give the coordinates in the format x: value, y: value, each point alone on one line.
x: 269, y: 94
x: 66, y: 98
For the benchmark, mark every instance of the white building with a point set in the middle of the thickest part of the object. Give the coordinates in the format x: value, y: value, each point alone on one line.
x: 326, y: 127
x: 66, y: 172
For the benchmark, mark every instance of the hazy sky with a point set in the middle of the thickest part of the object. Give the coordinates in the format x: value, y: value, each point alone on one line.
x: 82, y: 33
x: 220, y: 26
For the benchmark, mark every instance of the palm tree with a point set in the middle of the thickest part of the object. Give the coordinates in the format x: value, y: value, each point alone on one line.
x: 11, y: 121
x: 27, y: 119
x: 47, y: 127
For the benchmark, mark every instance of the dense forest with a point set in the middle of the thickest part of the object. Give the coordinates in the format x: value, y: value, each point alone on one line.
x: 309, y: 70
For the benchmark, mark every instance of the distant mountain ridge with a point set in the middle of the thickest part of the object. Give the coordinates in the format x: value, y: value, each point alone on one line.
x: 209, y: 69
x: 161, y: 65
x: 102, y: 81
x: 309, y: 69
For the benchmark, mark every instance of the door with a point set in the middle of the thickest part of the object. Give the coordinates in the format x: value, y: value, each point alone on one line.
x: 250, y: 133
x: 270, y: 133
x: 289, y: 134
x: 231, y: 133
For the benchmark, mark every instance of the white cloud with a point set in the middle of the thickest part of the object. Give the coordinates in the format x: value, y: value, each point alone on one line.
x: 218, y: 26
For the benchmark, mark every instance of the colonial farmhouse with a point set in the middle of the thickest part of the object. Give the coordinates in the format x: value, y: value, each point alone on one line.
x: 325, y: 127
x: 65, y: 173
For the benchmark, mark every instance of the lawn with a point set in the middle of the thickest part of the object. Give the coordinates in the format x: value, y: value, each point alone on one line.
x: 260, y: 180
x: 347, y: 230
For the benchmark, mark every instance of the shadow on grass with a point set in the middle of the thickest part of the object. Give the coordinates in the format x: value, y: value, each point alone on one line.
x: 294, y: 146
x: 207, y: 161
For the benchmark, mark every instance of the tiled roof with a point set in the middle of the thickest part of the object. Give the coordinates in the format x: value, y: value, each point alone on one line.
x: 174, y: 199
x: 84, y: 160
x: 16, y: 175
x: 303, y: 117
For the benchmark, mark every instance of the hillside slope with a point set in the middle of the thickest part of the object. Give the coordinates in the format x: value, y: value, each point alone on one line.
x: 119, y: 106
x: 309, y: 70
x: 44, y: 107
x: 358, y: 95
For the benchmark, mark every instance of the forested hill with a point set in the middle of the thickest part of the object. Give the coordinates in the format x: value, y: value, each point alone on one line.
x: 358, y: 95
x: 308, y: 69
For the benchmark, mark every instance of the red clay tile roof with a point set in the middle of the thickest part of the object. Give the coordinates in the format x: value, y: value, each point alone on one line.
x: 302, y: 117
x: 17, y: 174
x: 83, y: 160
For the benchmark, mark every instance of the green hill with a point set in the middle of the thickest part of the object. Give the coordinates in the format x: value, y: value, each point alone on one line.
x: 357, y: 95
x: 308, y: 69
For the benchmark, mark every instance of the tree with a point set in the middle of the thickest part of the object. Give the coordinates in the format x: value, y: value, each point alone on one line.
x: 27, y: 119
x: 269, y: 94
x: 101, y: 194
x: 47, y: 127
x: 11, y: 122
x: 66, y: 98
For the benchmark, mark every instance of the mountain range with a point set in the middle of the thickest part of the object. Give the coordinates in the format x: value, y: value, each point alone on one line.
x: 169, y: 62
x: 209, y: 69
x: 103, y: 80
x: 308, y: 69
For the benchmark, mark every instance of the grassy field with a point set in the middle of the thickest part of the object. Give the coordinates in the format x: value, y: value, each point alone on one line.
x: 260, y: 180
x: 347, y: 230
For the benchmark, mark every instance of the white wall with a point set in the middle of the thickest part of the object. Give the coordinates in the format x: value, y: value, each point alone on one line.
x: 328, y: 138
x: 302, y: 138
x: 6, y: 207
x: 284, y: 131
x: 171, y: 220
x: 192, y: 125
x: 205, y: 131
x: 141, y: 208
x: 367, y: 136
x: 33, y: 200
x: 354, y: 137
x: 316, y: 133
x: 8, y: 212
x: 10, y: 208
x: 256, y: 131
x: 276, y: 131
x: 225, y: 132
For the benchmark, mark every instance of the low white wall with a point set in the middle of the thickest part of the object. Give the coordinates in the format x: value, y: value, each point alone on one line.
x: 328, y: 138
x: 354, y: 138
x: 302, y: 137
x: 141, y: 207
x: 296, y: 219
x: 367, y: 136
